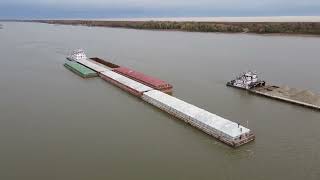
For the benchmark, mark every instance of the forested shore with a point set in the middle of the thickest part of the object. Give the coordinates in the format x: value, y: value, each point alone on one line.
x: 312, y: 28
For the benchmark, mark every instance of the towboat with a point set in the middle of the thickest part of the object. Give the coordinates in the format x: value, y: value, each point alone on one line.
x: 247, y: 80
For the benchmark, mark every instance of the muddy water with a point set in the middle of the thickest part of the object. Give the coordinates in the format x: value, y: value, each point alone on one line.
x: 56, y: 125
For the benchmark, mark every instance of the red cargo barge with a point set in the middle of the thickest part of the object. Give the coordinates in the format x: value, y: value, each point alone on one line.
x: 144, y: 79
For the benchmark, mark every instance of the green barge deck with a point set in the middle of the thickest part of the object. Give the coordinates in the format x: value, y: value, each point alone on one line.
x: 80, y: 69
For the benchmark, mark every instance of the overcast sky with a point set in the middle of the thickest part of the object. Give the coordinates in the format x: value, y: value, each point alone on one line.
x: 154, y: 8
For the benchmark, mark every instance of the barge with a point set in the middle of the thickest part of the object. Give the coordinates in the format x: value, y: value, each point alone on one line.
x: 291, y: 95
x: 222, y: 129
x: 249, y: 81
x: 228, y: 132
x: 100, y: 65
x: 153, y: 82
x: 80, y: 69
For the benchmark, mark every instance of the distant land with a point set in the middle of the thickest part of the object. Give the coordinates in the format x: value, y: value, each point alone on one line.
x: 222, y: 19
x: 309, y: 25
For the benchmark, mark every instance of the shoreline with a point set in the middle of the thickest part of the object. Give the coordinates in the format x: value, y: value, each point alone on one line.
x: 262, y: 28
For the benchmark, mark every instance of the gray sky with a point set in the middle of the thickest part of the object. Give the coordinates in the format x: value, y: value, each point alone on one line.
x: 170, y: 3
x: 144, y: 8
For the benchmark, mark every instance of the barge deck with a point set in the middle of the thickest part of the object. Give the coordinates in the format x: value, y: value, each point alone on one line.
x: 303, y: 98
x: 222, y: 129
x: 80, y: 69
x: 291, y: 95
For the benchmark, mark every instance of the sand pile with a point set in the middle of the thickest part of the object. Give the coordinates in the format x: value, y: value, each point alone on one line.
x: 305, y: 96
x: 283, y: 90
x: 293, y: 91
x: 277, y: 93
x: 286, y: 88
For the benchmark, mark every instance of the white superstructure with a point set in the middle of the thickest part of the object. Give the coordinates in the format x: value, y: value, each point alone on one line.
x: 247, y: 80
x: 77, y: 54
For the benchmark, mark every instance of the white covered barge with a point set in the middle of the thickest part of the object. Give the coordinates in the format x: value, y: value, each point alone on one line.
x: 224, y: 130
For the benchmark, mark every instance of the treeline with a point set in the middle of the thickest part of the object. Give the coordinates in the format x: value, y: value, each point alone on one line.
x: 250, y: 27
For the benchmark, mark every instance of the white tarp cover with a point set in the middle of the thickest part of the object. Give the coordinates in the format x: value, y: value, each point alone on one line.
x: 92, y: 65
x: 127, y: 81
x: 223, y: 125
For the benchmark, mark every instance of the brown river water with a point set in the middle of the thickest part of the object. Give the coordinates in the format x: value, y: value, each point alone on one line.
x: 56, y: 125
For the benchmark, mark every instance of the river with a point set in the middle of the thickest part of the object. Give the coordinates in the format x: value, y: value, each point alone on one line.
x: 56, y: 125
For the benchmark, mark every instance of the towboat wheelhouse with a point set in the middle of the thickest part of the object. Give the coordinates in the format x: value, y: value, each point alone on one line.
x: 76, y: 55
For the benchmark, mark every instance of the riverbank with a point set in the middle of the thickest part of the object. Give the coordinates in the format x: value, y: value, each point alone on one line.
x: 308, y: 28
